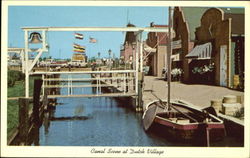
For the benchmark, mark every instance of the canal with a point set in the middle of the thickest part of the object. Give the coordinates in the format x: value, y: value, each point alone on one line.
x: 101, y: 121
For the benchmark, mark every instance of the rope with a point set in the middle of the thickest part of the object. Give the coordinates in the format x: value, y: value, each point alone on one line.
x: 155, y: 46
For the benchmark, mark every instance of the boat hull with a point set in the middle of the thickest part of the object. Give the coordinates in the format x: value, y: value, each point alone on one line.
x: 191, y: 131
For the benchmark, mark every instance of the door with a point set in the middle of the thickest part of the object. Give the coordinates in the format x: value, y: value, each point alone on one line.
x: 223, y: 65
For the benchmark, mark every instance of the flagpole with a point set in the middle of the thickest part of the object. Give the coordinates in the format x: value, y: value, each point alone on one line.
x: 169, y: 52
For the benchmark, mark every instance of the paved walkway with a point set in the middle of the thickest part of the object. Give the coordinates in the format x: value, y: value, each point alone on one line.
x: 199, y: 95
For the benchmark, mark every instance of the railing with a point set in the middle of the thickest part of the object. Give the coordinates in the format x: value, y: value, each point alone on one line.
x: 113, y: 83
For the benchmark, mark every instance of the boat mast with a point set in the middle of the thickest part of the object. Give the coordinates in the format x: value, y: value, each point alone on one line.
x: 169, y: 53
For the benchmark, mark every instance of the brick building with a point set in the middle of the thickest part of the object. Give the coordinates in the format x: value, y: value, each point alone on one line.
x: 211, y: 35
x: 156, y: 43
x: 185, y: 20
x: 128, y: 48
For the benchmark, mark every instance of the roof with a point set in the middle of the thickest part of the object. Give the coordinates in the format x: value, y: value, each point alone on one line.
x: 130, y: 36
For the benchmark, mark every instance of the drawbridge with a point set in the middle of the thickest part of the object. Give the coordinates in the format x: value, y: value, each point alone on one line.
x: 121, y: 83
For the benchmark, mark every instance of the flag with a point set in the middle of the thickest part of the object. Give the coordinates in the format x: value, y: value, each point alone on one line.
x: 79, y: 50
x: 77, y: 46
x: 92, y: 40
x: 79, y: 36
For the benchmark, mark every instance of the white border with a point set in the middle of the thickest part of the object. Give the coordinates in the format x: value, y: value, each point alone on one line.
x: 85, y: 151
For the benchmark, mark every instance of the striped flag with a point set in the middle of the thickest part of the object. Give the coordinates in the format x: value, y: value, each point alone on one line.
x: 79, y: 36
x: 92, y: 40
x: 77, y: 46
x: 79, y: 50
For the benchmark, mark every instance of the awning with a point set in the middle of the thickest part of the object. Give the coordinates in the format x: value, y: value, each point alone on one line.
x: 149, y: 49
x: 202, y: 51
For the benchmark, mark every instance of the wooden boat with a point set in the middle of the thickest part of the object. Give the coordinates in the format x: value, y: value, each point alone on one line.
x: 183, y: 120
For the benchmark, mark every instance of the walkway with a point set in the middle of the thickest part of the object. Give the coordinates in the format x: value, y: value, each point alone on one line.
x: 199, y: 95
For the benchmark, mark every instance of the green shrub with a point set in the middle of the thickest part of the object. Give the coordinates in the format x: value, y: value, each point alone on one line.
x: 14, y: 76
x: 11, y: 81
x: 20, y: 76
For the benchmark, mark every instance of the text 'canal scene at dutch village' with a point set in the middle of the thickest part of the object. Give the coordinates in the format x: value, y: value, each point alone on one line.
x: 102, y: 76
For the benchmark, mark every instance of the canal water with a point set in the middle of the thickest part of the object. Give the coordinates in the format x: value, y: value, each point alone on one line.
x: 101, y: 121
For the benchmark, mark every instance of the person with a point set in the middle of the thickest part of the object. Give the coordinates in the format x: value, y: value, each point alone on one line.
x: 164, y: 74
x: 69, y: 67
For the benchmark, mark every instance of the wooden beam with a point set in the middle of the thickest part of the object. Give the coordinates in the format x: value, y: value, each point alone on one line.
x: 84, y: 79
x: 82, y: 72
x: 93, y: 95
x: 82, y: 86
x: 98, y: 29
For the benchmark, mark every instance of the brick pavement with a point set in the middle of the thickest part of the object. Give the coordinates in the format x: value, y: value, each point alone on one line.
x: 197, y: 94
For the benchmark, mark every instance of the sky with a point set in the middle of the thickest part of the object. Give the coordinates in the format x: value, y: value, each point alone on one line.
x: 61, y: 43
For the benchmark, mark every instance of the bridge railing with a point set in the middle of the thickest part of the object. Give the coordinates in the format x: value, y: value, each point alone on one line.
x: 113, y: 83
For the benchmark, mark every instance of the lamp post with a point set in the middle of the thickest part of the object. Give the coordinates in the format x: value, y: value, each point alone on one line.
x: 109, y: 51
x: 114, y: 61
x: 99, y: 54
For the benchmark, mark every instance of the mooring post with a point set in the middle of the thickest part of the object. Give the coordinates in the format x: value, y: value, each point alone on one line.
x: 140, y: 90
x: 208, y: 136
x: 43, y: 84
x: 23, y: 120
x: 36, y: 99
x: 127, y: 82
x: 45, y: 101
x: 36, y: 135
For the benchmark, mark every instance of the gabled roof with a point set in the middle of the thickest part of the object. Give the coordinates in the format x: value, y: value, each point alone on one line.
x: 130, y: 36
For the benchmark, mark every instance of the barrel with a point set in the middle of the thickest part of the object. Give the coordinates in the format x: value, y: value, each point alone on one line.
x: 217, y: 104
x: 230, y: 99
x: 236, y: 81
x: 240, y: 99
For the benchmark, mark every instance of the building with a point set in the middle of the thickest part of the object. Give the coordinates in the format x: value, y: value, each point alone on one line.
x: 211, y: 36
x: 78, y: 57
x: 127, y: 51
x: 156, y: 46
x: 15, y: 57
x: 185, y: 20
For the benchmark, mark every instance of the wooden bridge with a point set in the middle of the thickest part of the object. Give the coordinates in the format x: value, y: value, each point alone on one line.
x: 122, y: 83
